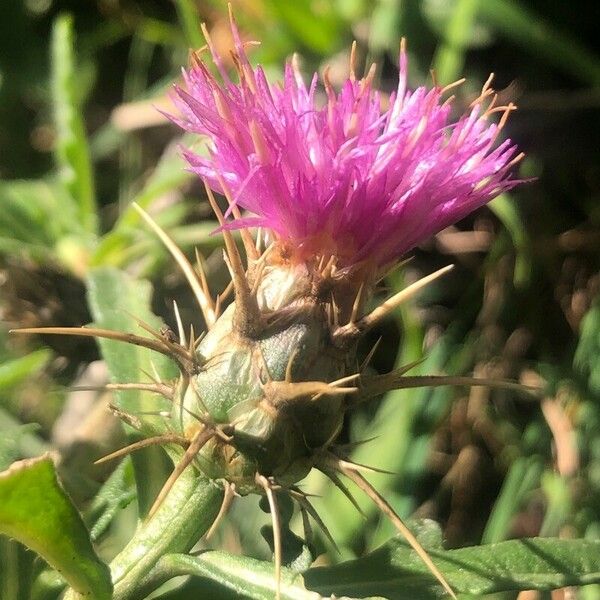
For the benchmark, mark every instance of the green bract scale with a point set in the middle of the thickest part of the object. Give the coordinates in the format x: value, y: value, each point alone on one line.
x: 280, y: 388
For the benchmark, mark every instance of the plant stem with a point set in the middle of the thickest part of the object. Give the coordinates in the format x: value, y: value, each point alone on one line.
x: 187, y: 512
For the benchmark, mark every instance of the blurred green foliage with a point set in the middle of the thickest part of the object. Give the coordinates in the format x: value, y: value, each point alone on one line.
x: 81, y: 140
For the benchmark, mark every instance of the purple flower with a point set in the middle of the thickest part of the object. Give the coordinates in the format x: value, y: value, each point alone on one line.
x: 342, y: 177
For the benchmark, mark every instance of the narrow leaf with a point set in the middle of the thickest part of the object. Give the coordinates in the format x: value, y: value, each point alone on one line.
x: 35, y: 510
x: 72, y: 152
x: 394, y: 571
x: 449, y: 58
x: 168, y: 176
x: 247, y: 577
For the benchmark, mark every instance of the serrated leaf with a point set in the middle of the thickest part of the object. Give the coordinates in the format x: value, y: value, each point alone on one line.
x: 394, y: 571
x: 72, y: 151
x: 35, y: 510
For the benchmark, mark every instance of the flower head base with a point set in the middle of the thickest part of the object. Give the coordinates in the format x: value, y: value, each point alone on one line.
x: 346, y: 179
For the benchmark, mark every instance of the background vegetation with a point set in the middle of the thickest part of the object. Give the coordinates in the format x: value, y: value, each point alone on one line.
x: 81, y: 138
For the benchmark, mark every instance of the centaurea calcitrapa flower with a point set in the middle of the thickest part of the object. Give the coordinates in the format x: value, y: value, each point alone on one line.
x: 339, y: 191
x: 328, y: 196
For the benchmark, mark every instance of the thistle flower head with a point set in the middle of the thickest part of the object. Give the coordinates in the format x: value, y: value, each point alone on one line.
x: 343, y: 177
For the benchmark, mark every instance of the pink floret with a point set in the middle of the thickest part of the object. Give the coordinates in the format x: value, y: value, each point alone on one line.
x: 342, y: 177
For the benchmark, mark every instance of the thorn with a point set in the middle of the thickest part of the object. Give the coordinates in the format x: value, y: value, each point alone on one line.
x: 388, y: 270
x: 156, y: 388
x: 389, y: 512
x: 351, y: 331
x: 198, y: 340
x: 347, y: 379
x: 203, y: 280
x: 409, y: 366
x: 247, y: 313
x: 335, y: 321
x: 257, y: 274
x: 339, y: 484
x: 181, y: 332
x: 258, y: 243
x: 348, y: 446
x: 145, y: 326
x: 156, y: 378
x: 335, y: 388
x: 192, y: 343
x: 288, y: 368
x: 201, y: 437
x: 203, y: 301
x: 145, y: 443
x: 357, y: 305
x: 265, y: 366
x: 173, y: 351
x: 128, y: 418
x: 370, y: 355
x: 228, y: 498
x: 281, y: 393
x: 303, y: 501
x: 308, y: 533
x: 264, y: 483
x: 329, y: 267
x: 369, y: 77
x: 396, y: 380
x: 225, y: 293
x: 360, y: 467
x: 321, y: 264
x: 334, y: 392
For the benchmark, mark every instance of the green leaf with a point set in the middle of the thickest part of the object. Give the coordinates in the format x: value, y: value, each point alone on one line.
x: 72, y: 152
x: 508, y: 212
x: 18, y: 440
x: 588, y: 349
x: 169, y: 175
x: 189, y: 20
x: 247, y: 577
x: 523, y: 477
x: 30, y: 212
x: 19, y: 369
x: 449, y: 58
x: 395, y: 571
x: 313, y: 24
x: 16, y: 572
x: 35, y: 510
x: 116, y: 301
x: 116, y: 493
